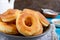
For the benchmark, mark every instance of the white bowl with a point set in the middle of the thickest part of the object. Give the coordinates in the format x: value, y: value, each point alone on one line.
x: 56, y: 22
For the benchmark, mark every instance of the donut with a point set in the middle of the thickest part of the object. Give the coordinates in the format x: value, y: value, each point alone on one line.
x: 28, y: 24
x: 38, y: 33
x: 0, y: 19
x: 41, y: 18
x: 9, y: 15
x: 8, y: 28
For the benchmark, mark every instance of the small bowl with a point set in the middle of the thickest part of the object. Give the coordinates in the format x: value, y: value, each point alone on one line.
x: 49, y: 13
x: 13, y: 37
x: 56, y: 22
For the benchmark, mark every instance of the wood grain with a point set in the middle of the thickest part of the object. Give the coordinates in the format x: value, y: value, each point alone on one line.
x: 37, y: 4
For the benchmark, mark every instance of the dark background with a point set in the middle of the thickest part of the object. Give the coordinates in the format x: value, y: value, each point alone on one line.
x: 38, y: 4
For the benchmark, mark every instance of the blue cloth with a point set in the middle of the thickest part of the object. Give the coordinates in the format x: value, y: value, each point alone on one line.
x: 57, y: 29
x: 57, y: 17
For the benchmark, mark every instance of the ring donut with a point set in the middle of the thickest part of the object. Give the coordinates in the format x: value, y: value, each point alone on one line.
x: 9, y: 15
x: 8, y: 28
x: 38, y: 33
x: 41, y: 18
x: 28, y: 24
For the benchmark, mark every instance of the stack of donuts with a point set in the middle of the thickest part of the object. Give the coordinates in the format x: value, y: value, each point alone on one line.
x: 27, y: 22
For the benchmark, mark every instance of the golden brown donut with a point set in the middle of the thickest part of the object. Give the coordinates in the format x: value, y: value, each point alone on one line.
x: 0, y: 19
x: 28, y: 24
x: 41, y: 18
x: 10, y: 15
x: 38, y: 33
x: 8, y: 28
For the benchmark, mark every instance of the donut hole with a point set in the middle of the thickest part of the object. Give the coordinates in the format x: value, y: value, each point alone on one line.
x: 28, y: 21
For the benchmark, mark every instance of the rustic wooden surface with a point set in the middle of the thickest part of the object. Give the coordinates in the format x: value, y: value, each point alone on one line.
x: 37, y: 4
